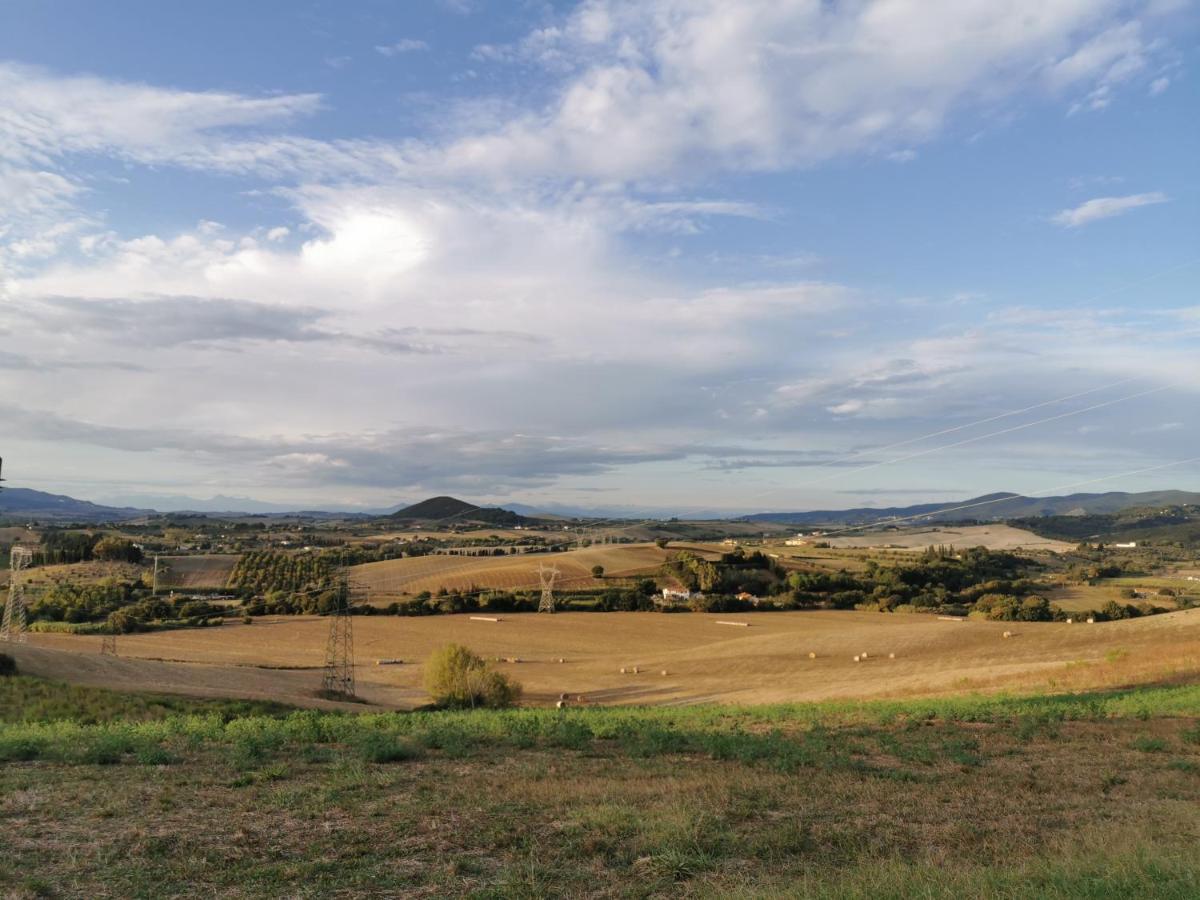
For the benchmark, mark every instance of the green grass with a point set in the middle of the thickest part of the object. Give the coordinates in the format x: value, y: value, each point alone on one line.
x: 1064, y: 796
x: 29, y: 700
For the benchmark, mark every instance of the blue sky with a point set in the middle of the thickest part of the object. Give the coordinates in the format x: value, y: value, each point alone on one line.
x: 668, y: 254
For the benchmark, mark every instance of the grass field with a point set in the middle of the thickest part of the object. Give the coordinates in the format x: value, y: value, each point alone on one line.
x: 280, y: 658
x: 196, y: 572
x: 1091, y: 795
x: 993, y: 537
x: 399, y: 577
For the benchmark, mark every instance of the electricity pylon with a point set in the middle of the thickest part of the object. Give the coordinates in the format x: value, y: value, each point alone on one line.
x: 13, y: 626
x: 339, y: 649
x: 547, y: 575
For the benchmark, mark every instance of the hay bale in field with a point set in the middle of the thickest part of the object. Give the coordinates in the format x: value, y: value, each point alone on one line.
x: 561, y: 704
x: 863, y: 655
x: 1070, y: 621
x: 812, y: 656
x: 664, y: 671
x: 622, y: 670
x: 1007, y: 634
x: 561, y: 660
x: 891, y: 656
x: 635, y: 670
x: 856, y: 659
x: 562, y: 696
x: 1091, y: 621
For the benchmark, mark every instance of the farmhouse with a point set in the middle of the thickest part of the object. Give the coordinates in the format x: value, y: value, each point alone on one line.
x: 671, y: 595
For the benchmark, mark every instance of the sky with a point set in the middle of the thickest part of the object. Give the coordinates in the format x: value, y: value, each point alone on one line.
x: 666, y: 254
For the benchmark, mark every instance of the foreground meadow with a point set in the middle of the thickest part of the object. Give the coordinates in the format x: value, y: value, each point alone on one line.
x: 114, y: 795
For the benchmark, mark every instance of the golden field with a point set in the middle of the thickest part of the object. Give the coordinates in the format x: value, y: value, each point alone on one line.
x: 281, y: 657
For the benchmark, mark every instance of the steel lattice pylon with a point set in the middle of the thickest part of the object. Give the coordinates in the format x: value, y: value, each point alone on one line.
x: 339, y: 649
x: 547, y: 574
x: 13, y: 626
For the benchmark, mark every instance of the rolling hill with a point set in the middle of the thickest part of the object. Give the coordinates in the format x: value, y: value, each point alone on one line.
x: 988, y: 507
x: 453, y: 510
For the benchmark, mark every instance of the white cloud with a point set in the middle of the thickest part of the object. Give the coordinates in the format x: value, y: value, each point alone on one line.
x: 1105, y: 208
x: 404, y: 45
x: 45, y: 116
x: 663, y: 85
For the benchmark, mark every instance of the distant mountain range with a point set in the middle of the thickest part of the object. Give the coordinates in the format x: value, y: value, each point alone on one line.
x: 29, y: 504
x: 986, y: 507
x: 26, y: 504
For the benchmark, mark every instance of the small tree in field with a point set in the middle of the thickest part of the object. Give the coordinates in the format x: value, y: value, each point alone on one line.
x: 455, y: 676
x: 597, y: 571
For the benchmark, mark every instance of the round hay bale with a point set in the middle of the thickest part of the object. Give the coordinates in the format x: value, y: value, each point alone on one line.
x: 664, y: 671
x: 561, y: 660
x: 1070, y: 621
x: 891, y: 656
x: 812, y: 656
x: 1091, y: 621
x: 622, y: 670
x: 1007, y: 634
x: 863, y: 655
x: 562, y: 696
x: 635, y: 670
x: 561, y: 704
x: 856, y: 659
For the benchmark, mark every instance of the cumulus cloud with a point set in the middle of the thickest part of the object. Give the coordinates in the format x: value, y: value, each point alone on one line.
x: 763, y: 84
x: 1105, y: 208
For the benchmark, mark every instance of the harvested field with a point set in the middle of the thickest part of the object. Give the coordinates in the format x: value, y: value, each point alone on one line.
x: 82, y: 573
x: 198, y: 572
x: 993, y: 537
x: 764, y: 663
x: 412, y: 575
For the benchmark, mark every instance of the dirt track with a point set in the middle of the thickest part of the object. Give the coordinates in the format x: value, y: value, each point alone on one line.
x: 766, y: 662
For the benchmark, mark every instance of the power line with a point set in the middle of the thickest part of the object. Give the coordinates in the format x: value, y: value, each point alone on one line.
x: 13, y: 626
x: 547, y: 575
x: 338, y: 682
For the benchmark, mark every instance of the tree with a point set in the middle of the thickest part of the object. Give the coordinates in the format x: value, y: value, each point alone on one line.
x: 117, y: 550
x: 597, y: 571
x: 661, y: 543
x: 455, y: 676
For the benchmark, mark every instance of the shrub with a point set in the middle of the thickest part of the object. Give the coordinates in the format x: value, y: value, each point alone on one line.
x: 8, y: 665
x: 455, y: 676
x: 121, y: 622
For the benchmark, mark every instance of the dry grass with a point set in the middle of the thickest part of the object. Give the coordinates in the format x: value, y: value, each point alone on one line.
x: 211, y: 572
x: 993, y: 537
x: 765, y: 663
x: 399, y: 577
x: 933, y: 809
